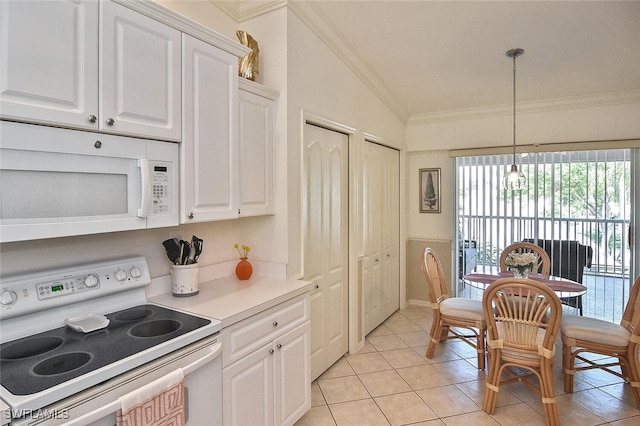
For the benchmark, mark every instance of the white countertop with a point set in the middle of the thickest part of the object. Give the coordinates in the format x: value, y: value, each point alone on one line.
x: 230, y: 300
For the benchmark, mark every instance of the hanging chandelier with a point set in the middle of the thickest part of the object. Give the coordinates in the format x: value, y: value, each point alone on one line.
x: 514, y: 180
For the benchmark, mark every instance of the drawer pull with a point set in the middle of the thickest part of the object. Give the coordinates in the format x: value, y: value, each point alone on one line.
x: 275, y: 323
x: 271, y: 351
x: 279, y: 346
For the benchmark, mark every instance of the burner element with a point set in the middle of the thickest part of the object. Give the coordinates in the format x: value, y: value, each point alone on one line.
x: 134, y: 314
x: 30, y: 347
x: 155, y: 328
x: 62, y: 363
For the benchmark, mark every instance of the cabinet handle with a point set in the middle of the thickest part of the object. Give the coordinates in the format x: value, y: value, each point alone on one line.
x: 110, y: 122
x: 271, y: 351
x: 190, y: 216
x: 93, y: 118
x: 317, y: 285
x: 279, y: 346
x: 275, y: 323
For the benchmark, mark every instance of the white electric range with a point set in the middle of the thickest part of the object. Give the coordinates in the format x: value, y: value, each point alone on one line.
x: 75, y: 339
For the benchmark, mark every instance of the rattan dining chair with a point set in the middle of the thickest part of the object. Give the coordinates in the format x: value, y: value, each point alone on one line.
x: 453, y: 317
x: 584, y: 335
x: 521, y: 334
x: 544, y: 262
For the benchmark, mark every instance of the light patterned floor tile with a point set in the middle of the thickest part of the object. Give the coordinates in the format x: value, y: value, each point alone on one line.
x: 390, y: 381
x: 400, y: 358
x: 368, y: 363
x: 415, y: 338
x: 447, y: 401
x: 358, y: 413
x: 386, y: 343
x: 384, y: 383
x: 405, y: 408
x: 340, y: 369
x: 342, y: 389
x: 404, y: 326
x: 317, y: 416
x: 423, y: 377
x: 317, y: 398
x: 479, y: 418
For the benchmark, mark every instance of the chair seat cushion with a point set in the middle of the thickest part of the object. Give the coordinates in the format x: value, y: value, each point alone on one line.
x: 595, y: 330
x: 462, y: 307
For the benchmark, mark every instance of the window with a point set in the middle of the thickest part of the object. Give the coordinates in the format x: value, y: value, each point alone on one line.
x: 580, y: 196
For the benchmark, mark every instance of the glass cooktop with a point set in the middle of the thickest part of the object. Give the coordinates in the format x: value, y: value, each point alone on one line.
x: 41, y: 361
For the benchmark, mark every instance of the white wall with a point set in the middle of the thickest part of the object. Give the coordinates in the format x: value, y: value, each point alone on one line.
x: 321, y: 84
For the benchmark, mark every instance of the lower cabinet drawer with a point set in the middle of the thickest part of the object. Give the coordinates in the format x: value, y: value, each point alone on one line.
x: 244, y: 337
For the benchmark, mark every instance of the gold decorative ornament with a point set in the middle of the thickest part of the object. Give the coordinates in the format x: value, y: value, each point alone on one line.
x: 248, y: 64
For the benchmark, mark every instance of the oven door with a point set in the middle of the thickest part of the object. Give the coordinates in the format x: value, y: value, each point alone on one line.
x: 202, y: 367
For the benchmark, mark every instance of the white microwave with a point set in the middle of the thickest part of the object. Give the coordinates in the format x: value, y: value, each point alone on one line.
x: 57, y: 182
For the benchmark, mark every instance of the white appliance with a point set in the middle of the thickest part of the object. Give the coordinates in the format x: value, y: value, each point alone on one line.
x: 74, y: 340
x: 57, y: 182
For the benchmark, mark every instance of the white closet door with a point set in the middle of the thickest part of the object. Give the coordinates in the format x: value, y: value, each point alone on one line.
x: 326, y: 243
x: 381, y: 224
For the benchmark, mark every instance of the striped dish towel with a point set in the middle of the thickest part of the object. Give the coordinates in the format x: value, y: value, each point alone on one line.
x: 159, y: 403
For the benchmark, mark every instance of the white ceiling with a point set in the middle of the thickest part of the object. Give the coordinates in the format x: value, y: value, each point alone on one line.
x: 429, y: 58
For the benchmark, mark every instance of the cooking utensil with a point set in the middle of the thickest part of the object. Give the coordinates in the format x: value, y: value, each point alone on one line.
x: 184, y: 252
x: 197, y: 244
x: 173, y: 250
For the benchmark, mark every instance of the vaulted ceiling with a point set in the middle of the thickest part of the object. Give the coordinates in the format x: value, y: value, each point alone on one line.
x: 430, y: 59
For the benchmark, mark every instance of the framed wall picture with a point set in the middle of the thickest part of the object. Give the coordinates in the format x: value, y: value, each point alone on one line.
x: 430, y: 200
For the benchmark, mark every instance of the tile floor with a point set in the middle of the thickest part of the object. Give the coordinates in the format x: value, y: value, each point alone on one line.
x: 390, y: 382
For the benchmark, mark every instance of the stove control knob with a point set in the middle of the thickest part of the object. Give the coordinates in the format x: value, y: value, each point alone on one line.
x: 135, y: 272
x: 8, y: 298
x: 91, y: 280
x: 121, y: 275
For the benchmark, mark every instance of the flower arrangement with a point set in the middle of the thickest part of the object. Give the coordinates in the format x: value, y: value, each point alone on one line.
x: 243, y: 250
x: 521, y: 263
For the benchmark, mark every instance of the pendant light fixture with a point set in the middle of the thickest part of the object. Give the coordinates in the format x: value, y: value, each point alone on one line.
x: 514, y: 180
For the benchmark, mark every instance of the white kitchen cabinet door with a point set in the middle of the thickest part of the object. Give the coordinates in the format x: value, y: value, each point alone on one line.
x: 292, y: 375
x: 248, y: 389
x: 326, y: 165
x: 381, y: 267
x: 140, y: 82
x: 49, y: 63
x: 256, y: 117
x: 208, y: 153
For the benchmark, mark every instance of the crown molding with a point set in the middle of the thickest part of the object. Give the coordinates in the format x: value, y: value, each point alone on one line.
x: 241, y: 10
x: 545, y: 105
x: 311, y: 15
x: 175, y: 20
x: 257, y: 89
x: 314, y: 19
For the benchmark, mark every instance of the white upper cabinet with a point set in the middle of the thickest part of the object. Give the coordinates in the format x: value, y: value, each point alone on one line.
x: 90, y: 65
x: 140, y: 79
x: 256, y: 123
x: 209, y: 152
x: 49, y: 63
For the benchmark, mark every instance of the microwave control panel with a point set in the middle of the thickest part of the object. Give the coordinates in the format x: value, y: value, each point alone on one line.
x: 162, y: 188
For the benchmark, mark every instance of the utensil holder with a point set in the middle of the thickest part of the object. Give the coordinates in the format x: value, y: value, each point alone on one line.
x: 185, y: 280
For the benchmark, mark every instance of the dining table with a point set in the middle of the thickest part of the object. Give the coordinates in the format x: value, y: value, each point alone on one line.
x: 563, y: 287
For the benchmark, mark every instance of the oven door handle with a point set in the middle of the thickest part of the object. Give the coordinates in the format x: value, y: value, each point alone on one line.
x: 105, y: 410
x: 215, y: 352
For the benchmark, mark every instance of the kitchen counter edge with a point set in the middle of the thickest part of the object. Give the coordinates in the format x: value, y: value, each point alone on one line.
x: 231, y: 300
